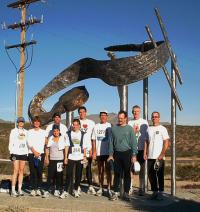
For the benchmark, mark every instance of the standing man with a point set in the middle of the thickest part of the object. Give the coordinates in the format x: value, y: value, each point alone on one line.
x: 155, y: 151
x: 140, y: 127
x: 123, y: 150
x: 57, y: 121
x: 87, y: 127
x: 100, y: 137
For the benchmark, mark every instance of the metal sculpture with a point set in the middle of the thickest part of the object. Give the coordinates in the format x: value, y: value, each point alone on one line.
x: 117, y: 72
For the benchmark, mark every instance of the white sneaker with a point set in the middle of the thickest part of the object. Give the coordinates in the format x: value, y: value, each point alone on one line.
x: 56, y: 193
x: 76, y: 195
x: 79, y: 191
x: 114, y: 196
x: 38, y: 192
x: 33, y: 193
x: 46, y: 194
x: 20, y: 193
x: 99, y: 192
x: 64, y: 194
x: 14, y: 194
x: 131, y: 190
x: 91, y: 190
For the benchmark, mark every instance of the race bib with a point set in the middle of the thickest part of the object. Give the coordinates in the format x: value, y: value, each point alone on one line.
x: 76, y: 150
x: 60, y: 167
x: 22, y: 146
x: 87, y: 153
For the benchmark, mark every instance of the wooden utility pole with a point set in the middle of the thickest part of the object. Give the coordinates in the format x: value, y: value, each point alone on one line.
x: 22, y: 5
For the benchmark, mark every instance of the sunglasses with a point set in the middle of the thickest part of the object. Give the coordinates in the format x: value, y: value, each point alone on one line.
x: 155, y: 117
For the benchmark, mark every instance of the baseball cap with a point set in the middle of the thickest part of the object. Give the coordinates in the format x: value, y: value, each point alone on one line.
x: 55, y: 127
x: 20, y: 119
x: 103, y: 111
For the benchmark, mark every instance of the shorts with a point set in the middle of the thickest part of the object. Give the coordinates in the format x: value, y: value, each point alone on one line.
x: 14, y: 157
x: 102, y: 158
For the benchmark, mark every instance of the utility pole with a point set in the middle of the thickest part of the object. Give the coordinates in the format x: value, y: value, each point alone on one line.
x: 23, y: 25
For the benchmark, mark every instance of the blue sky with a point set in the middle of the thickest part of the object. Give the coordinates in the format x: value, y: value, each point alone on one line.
x: 77, y: 29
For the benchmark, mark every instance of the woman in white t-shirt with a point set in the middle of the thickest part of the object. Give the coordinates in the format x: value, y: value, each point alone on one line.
x: 76, y: 157
x: 36, y: 143
x: 18, y: 150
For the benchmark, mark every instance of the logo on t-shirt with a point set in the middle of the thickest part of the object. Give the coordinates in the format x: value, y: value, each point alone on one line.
x: 157, y: 132
x: 84, y: 128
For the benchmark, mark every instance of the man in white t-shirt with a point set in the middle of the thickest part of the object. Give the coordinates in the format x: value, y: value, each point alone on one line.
x: 100, y: 137
x: 155, y: 151
x: 140, y: 127
x: 87, y: 127
x: 57, y: 121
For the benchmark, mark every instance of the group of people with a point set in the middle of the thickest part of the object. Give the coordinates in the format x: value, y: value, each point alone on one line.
x: 115, y: 148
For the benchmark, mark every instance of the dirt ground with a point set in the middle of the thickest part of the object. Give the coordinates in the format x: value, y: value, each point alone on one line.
x: 187, y: 199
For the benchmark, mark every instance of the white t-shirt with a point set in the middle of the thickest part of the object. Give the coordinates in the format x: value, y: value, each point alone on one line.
x: 57, y: 148
x: 76, y: 153
x: 157, y: 134
x: 87, y: 127
x: 18, y: 142
x: 142, y: 135
x: 63, y: 130
x: 100, y: 135
x: 36, y: 139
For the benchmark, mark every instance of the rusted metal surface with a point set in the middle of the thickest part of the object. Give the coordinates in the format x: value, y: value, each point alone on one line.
x: 122, y: 71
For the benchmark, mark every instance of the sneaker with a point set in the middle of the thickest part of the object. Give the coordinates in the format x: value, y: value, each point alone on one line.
x: 76, y: 195
x: 14, y: 194
x: 38, y: 192
x: 141, y: 192
x: 99, y: 192
x: 154, y: 195
x: 114, y: 196
x: 46, y: 194
x: 64, y: 194
x: 33, y: 193
x: 109, y: 193
x: 126, y: 197
x: 91, y: 190
x: 79, y: 191
x: 21, y: 193
x: 56, y: 193
x: 160, y: 196
x: 131, y: 190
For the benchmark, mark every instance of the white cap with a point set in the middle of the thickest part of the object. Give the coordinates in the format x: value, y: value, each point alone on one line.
x: 136, y: 166
x: 103, y: 111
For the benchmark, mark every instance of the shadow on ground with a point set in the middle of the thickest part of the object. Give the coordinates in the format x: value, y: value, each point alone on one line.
x: 168, y: 203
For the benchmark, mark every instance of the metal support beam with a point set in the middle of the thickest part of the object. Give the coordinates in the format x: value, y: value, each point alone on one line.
x: 69, y: 118
x: 173, y: 89
x: 164, y: 32
x: 123, y: 95
x: 173, y: 137
x: 145, y: 116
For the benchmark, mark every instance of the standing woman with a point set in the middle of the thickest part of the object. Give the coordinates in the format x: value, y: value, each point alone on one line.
x: 18, y: 150
x: 55, y: 153
x: 36, y: 143
x: 76, y: 158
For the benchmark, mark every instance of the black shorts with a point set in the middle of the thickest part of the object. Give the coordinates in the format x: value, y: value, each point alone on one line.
x: 102, y: 158
x: 14, y: 157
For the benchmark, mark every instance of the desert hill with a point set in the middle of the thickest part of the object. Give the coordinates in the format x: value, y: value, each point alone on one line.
x: 187, y: 137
